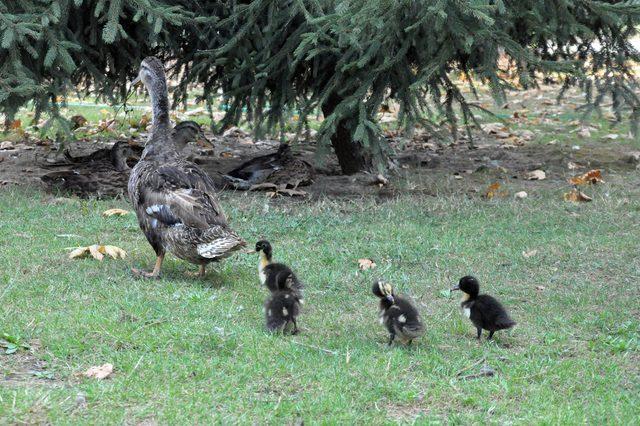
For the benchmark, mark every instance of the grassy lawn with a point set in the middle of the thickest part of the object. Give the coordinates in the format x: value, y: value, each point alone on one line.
x: 189, y: 349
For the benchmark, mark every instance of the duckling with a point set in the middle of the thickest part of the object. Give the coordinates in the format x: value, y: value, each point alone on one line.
x: 484, y: 311
x: 283, y: 306
x: 275, y: 275
x: 398, y: 314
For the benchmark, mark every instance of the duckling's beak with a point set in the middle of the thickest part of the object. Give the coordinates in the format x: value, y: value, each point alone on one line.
x: 456, y: 287
x: 390, y: 298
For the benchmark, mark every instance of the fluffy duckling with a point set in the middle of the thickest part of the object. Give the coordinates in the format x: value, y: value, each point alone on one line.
x: 283, y: 307
x: 274, y: 275
x: 398, y: 314
x: 484, y: 311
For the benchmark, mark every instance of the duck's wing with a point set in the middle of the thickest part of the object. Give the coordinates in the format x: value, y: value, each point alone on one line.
x: 181, y: 193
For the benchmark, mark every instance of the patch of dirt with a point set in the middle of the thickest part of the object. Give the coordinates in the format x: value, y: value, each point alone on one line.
x: 418, y: 159
x: 24, y: 368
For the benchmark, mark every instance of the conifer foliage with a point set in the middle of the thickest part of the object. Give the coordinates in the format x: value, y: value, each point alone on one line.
x: 344, y: 58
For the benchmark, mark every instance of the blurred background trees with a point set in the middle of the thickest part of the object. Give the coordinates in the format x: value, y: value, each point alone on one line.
x: 345, y: 59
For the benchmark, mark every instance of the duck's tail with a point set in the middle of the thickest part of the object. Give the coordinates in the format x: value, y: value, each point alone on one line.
x: 221, y: 245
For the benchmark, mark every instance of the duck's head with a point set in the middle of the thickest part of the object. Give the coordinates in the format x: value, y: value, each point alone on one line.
x: 383, y: 291
x: 263, y: 247
x: 121, y: 153
x: 469, y: 286
x: 188, y: 131
x: 151, y: 74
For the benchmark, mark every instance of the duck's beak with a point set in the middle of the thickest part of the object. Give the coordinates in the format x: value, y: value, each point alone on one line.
x: 456, y: 287
x: 391, y: 299
x: 249, y: 251
x: 136, y: 81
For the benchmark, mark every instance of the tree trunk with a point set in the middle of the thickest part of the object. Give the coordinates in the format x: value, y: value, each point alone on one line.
x: 351, y: 155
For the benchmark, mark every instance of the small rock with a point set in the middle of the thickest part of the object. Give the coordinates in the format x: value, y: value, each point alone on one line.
x: 536, y: 175
x: 6, y: 145
x: 521, y: 195
x: 633, y: 157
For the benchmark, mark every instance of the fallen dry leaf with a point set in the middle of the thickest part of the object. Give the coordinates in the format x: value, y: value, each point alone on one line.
x: 98, y: 251
x: 99, y: 372
x: 115, y: 212
x: 364, y: 264
x: 380, y: 180
x: 78, y: 121
x: 530, y: 253
x: 15, y: 124
x: 572, y: 166
x: 521, y: 195
x: 576, y: 196
x: 584, y: 132
x: 494, y: 191
x: 536, y: 175
x: 591, y: 177
x: 611, y: 136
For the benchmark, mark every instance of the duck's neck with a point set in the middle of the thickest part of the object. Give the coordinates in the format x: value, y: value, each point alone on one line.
x: 466, y: 297
x: 160, y: 140
x: 265, y: 259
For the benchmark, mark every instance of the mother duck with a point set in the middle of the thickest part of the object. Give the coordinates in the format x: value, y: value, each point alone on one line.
x: 174, y: 199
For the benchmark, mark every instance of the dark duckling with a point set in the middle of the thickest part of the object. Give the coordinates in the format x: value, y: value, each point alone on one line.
x: 283, y: 305
x: 274, y: 275
x: 398, y: 314
x: 484, y: 311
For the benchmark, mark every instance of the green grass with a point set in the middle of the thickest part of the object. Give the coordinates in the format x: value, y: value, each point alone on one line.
x: 194, y: 350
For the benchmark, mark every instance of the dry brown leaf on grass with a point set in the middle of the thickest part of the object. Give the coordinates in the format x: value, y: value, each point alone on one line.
x: 576, y: 196
x: 99, y: 372
x: 494, y: 191
x: 15, y: 124
x: 530, y: 253
x: 115, y: 212
x: 591, y: 177
x: 364, y: 264
x: 98, y: 252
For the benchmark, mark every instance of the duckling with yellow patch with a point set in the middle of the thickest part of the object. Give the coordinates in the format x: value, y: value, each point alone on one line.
x: 484, y: 311
x: 283, y: 306
x: 398, y: 314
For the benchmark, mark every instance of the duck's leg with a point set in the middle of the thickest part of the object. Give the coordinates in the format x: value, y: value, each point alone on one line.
x: 490, y: 335
x: 202, y: 270
x: 479, y: 332
x: 153, y: 274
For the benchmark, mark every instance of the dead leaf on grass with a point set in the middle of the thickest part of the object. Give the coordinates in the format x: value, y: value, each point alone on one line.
x: 576, y: 196
x: 98, y: 252
x: 591, y: 177
x: 99, y: 372
x: 530, y: 253
x: 494, y: 191
x: 364, y: 264
x: 611, y: 136
x: 115, y: 212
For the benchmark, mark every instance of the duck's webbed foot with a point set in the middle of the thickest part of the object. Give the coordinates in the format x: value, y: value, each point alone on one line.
x: 155, y: 274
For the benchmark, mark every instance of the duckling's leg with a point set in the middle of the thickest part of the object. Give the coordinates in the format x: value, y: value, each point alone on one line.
x: 490, y: 335
x: 153, y: 274
x: 295, y: 326
x: 479, y: 332
x: 391, y: 337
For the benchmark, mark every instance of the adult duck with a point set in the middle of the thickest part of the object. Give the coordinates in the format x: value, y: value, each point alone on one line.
x: 174, y: 199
